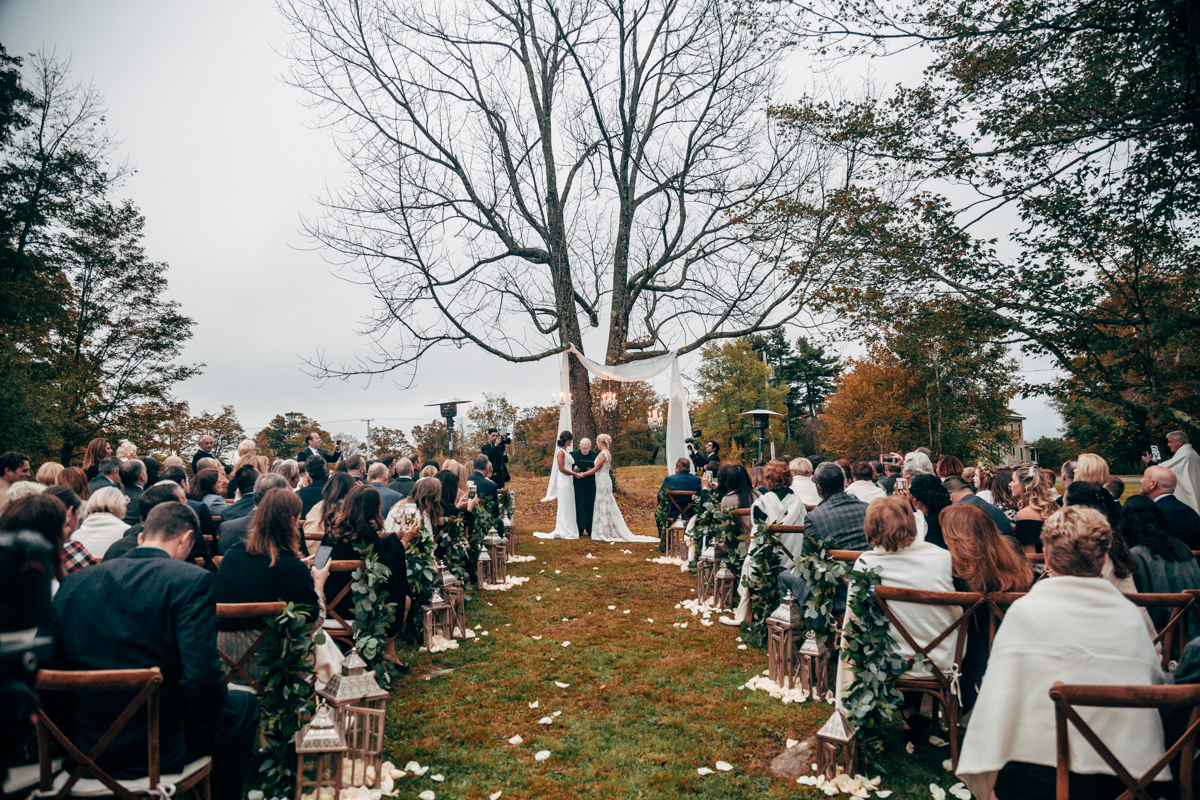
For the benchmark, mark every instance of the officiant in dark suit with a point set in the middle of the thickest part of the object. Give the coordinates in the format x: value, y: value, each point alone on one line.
x: 313, y: 440
x: 585, y: 488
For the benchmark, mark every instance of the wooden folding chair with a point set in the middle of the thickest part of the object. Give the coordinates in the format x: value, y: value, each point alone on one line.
x: 236, y: 670
x: 1174, y: 635
x: 335, y: 625
x: 681, y: 504
x: 1066, y: 697
x: 145, y: 682
x: 942, y: 688
x: 849, y: 556
x: 997, y: 604
x: 779, y: 530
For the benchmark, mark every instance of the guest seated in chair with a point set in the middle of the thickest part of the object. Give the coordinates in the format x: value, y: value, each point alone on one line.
x: 1074, y: 628
x: 682, y: 481
x: 358, y: 521
x: 153, y: 608
x: 267, y: 567
x: 890, y: 527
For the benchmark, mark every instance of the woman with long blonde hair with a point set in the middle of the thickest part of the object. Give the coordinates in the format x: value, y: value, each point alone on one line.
x: 1035, y: 505
x: 460, y: 470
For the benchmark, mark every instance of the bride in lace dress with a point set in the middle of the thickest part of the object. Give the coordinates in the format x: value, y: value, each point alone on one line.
x: 608, y: 525
x: 563, y: 490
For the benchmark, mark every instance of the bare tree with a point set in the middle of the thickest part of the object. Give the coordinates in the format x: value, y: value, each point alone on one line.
x: 520, y: 167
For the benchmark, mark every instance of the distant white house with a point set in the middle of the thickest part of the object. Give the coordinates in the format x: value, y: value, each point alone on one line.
x: 1019, y: 451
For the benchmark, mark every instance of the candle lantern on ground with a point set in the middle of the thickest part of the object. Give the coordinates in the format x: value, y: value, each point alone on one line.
x: 456, y: 596
x: 359, y: 705
x: 498, y: 551
x: 706, y: 572
x: 676, y: 541
x: 320, y: 751
x: 483, y: 567
x: 724, y: 586
x: 783, y: 662
x: 760, y: 419
x: 438, y: 619
x: 814, y: 666
x: 837, y: 747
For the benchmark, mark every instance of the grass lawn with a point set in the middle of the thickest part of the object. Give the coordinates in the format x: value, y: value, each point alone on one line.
x: 648, y: 703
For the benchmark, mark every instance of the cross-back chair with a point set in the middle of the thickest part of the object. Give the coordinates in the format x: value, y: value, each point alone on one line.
x: 335, y: 625
x: 681, y: 503
x: 1174, y: 635
x: 145, y: 684
x: 236, y: 671
x: 940, y: 686
x: 1067, y: 697
x: 781, y: 530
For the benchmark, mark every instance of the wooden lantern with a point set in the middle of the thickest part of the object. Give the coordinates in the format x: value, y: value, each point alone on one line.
x: 483, y: 568
x: 352, y: 684
x: 364, y: 746
x: 783, y: 662
x: 320, y: 751
x: 438, y: 619
x: 677, y: 540
x: 511, y: 532
x: 814, y: 666
x: 706, y: 572
x: 456, y: 596
x: 498, y: 552
x: 837, y: 747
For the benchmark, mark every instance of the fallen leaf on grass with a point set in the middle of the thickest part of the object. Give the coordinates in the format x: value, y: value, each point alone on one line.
x: 724, y: 766
x: 542, y: 755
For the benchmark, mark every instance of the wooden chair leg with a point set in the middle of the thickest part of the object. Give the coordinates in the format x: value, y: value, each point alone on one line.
x: 952, y: 723
x: 205, y: 787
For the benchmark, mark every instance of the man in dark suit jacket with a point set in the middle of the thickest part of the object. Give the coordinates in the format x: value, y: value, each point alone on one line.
x: 1158, y: 483
x: 403, y: 483
x: 244, y: 479
x: 108, y: 473
x: 498, y: 455
x: 837, y: 521
x: 585, y: 488
x: 206, y: 451
x: 133, y: 480
x: 311, y: 495
x: 152, y: 497
x: 710, y: 459
x: 960, y: 492
x: 682, y: 481
x: 207, y: 526
x: 484, y: 485
x: 313, y: 440
x: 237, y: 529
x: 152, y: 608
x: 377, y: 477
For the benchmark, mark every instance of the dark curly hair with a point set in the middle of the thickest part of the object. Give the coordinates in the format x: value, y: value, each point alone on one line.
x: 929, y: 492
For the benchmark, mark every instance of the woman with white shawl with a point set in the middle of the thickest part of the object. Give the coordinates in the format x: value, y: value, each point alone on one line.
x: 779, y: 505
x: 1074, y: 628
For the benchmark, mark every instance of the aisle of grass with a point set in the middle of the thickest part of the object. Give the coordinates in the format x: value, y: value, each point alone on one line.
x: 648, y: 703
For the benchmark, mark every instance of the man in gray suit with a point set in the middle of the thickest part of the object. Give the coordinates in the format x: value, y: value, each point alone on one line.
x: 837, y: 521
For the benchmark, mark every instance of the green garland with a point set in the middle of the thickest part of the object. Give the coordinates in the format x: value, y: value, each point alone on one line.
x: 872, y: 698
x: 662, y: 517
x: 287, y: 695
x: 373, y: 614
x: 458, y: 550
x: 823, y: 575
x: 766, y: 565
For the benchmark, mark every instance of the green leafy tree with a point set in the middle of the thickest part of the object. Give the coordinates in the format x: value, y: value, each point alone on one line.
x: 535, y: 433
x: 432, y: 440
x: 1052, y: 451
x: 494, y: 412
x: 384, y: 441
x: 283, y: 437
x: 731, y: 379
x: 811, y: 374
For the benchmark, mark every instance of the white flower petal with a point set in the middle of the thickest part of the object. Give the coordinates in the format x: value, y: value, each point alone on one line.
x: 884, y: 793
x: 537, y: 638
x: 478, y: 627
x: 495, y: 795
x: 254, y: 794
x: 534, y: 704
x: 612, y: 608
x: 741, y: 647
x: 908, y: 748
x: 483, y: 633
x: 947, y: 765
x: 626, y: 611
x: 792, y: 743
x: 556, y: 714
x: 516, y: 740
x: 539, y: 597
x: 566, y: 644
x: 724, y: 766
x: 558, y: 572
x: 938, y: 741
x: 649, y: 620
x: 426, y: 795
x: 960, y: 791
x: 938, y: 792
x: 542, y: 755
x: 705, y: 771
x: 561, y: 685
x: 439, y: 778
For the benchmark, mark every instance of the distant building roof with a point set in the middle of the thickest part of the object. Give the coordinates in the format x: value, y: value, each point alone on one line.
x: 1010, y: 414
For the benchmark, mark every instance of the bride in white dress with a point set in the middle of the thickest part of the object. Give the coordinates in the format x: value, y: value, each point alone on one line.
x: 565, y: 526
x: 608, y: 525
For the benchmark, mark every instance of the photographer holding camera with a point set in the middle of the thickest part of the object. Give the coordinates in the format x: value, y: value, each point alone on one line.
x: 710, y: 459
x: 496, y: 450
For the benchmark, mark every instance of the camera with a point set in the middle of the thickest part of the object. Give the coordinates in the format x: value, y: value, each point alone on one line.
x: 505, y: 439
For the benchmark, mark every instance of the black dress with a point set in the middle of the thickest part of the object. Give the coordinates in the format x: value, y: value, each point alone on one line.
x: 246, y: 578
x: 391, y: 553
x: 1029, y: 532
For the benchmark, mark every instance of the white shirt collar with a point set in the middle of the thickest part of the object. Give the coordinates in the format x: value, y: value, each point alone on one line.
x: 1161, y: 496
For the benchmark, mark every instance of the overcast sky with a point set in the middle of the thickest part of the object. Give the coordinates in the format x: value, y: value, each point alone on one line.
x: 228, y: 165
